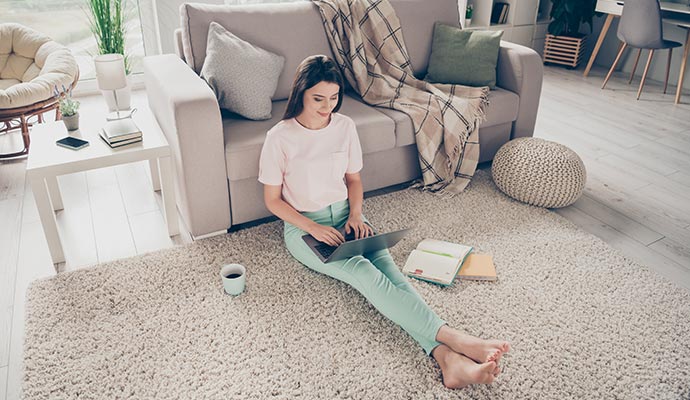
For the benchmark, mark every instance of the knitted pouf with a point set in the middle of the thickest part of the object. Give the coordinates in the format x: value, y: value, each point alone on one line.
x: 539, y: 172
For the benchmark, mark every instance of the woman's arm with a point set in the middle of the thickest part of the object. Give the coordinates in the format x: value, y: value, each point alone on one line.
x: 281, y: 209
x: 355, y: 195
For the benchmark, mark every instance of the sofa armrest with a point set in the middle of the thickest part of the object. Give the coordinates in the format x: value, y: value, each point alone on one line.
x: 188, y: 113
x: 178, y: 43
x: 520, y: 70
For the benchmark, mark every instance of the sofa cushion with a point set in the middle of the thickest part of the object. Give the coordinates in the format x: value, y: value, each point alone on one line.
x: 6, y: 83
x: 503, y: 108
x: 18, y: 49
x: 293, y: 30
x: 246, y: 84
x: 417, y: 23
x: 465, y: 57
x: 31, y: 65
x: 294, y: 27
x: 244, y: 138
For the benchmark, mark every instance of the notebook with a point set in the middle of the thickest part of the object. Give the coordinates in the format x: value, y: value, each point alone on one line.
x: 478, y: 267
x: 436, y: 261
x: 120, y: 130
x: 119, y: 143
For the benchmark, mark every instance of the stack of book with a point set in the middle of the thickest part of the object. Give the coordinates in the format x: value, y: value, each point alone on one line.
x: 499, y: 14
x: 120, y: 132
x: 440, y: 262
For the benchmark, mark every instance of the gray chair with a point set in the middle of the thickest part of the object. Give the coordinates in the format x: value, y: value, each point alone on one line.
x: 640, y: 28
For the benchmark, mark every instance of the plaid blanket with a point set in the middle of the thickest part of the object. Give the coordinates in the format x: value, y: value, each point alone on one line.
x: 367, y: 42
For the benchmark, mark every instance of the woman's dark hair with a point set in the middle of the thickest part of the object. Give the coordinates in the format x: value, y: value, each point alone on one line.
x: 311, y: 71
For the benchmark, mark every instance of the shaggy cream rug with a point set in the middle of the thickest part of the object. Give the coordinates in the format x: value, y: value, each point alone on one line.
x: 584, y: 322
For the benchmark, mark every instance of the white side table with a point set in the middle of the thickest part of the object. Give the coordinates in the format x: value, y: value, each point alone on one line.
x: 47, y: 161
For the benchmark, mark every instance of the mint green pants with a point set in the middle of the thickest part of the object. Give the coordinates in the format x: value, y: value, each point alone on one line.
x: 374, y: 275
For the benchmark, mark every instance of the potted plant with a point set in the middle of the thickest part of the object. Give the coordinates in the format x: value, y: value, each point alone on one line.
x: 68, y: 108
x: 564, y: 43
x: 568, y: 15
x: 468, y: 15
x: 107, y: 23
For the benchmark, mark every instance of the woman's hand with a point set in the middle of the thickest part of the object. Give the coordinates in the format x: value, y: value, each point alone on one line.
x: 356, y: 223
x: 326, y: 234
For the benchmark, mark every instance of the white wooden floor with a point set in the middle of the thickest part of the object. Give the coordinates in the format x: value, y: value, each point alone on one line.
x: 637, y: 154
x: 637, y: 198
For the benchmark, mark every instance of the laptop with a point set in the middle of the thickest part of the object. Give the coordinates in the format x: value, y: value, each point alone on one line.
x: 353, y: 247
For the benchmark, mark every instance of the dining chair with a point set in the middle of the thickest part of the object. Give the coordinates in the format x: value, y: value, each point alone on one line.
x: 640, y: 27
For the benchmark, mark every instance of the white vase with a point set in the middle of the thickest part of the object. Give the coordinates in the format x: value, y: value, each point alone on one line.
x: 468, y: 22
x: 71, y: 121
x: 124, y: 96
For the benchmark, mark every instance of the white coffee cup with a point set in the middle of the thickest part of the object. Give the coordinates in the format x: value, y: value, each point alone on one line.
x: 234, y: 277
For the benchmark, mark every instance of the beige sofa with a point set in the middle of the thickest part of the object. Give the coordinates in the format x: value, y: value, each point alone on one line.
x: 216, y: 153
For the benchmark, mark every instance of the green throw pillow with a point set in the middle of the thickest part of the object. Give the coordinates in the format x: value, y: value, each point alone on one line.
x: 466, y: 57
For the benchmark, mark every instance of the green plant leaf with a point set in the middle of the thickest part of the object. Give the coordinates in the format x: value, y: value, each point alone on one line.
x: 556, y: 27
x: 569, y: 6
x: 107, y: 23
x: 568, y: 15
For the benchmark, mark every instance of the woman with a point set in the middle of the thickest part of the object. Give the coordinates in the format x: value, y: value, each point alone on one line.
x: 310, y: 167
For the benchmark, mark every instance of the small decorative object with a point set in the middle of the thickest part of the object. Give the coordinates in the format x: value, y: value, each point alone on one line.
x: 539, y: 172
x: 468, y: 15
x: 564, y: 50
x: 110, y: 75
x: 68, y: 108
x: 107, y: 23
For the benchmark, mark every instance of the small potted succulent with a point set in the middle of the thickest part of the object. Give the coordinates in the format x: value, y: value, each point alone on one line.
x: 68, y: 108
x: 468, y: 15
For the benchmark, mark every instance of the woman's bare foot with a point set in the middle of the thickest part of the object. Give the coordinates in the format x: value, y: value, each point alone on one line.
x: 480, y: 350
x: 459, y: 371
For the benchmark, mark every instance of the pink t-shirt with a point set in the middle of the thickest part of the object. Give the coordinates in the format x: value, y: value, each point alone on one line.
x: 311, y: 163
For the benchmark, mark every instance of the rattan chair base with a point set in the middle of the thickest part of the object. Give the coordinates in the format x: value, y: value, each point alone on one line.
x: 19, y: 119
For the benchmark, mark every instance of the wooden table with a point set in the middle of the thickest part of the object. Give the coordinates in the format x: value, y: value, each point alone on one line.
x: 614, y: 8
x: 47, y: 161
x: 686, y: 25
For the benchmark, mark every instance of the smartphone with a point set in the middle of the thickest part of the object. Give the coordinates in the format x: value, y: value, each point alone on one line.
x: 72, y: 143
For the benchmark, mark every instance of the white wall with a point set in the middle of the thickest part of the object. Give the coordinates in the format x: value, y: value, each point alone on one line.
x: 168, y: 12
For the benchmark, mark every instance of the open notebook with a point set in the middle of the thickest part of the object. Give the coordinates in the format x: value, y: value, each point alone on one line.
x: 436, y: 261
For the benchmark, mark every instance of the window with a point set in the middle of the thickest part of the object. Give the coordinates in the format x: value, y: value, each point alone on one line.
x: 66, y: 22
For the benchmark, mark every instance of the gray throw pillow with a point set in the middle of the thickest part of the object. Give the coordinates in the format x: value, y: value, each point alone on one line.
x: 243, y: 76
x: 466, y: 57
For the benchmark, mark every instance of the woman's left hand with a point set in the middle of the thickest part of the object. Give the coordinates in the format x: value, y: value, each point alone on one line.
x: 356, y: 223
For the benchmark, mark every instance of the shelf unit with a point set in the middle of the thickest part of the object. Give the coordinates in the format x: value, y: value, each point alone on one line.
x: 526, y: 24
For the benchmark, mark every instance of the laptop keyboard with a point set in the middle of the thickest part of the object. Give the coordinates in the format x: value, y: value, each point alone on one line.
x: 326, y: 250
